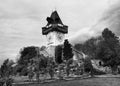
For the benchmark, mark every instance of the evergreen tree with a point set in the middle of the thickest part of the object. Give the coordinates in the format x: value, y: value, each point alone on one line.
x: 67, y: 50
x: 58, y: 54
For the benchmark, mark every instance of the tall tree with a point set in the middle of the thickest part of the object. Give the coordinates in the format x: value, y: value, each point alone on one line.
x: 58, y: 54
x: 109, y: 49
x: 26, y: 54
x: 40, y: 64
x: 67, y: 50
x: 67, y: 55
x: 90, y: 47
x: 6, y: 68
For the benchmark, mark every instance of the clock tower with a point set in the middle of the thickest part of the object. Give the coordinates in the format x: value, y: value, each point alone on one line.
x: 55, y: 32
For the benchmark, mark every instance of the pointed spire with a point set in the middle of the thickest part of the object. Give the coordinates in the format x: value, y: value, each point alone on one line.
x: 56, y: 17
x: 54, y: 24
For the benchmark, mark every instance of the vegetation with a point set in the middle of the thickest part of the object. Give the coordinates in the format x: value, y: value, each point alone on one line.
x: 67, y: 55
x: 109, y: 49
x: 58, y: 54
x: 67, y: 50
x: 26, y: 56
x: 89, y: 47
x: 6, y: 70
x: 33, y: 63
x: 105, y: 48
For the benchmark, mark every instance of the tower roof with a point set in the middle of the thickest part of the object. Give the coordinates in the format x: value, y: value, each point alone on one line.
x: 56, y: 17
x: 54, y: 24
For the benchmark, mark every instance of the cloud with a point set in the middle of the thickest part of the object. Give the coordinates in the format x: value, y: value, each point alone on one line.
x: 110, y: 18
x: 81, y: 35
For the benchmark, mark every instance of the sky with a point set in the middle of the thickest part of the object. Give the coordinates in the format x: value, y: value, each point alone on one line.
x: 21, y: 21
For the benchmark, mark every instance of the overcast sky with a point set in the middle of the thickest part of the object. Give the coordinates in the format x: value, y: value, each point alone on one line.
x: 21, y: 21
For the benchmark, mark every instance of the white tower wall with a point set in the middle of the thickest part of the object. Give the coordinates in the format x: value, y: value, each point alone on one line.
x: 55, y: 38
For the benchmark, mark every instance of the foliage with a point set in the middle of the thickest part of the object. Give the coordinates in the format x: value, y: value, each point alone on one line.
x: 6, y: 68
x: 89, y: 47
x: 67, y: 50
x: 88, y: 65
x: 105, y: 48
x: 6, y: 81
x: 109, y: 49
x: 51, y: 66
x: 31, y: 58
x: 40, y: 62
x: 58, y: 54
x: 26, y: 55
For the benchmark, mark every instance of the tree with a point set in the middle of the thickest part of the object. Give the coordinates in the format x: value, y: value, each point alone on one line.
x: 6, y: 68
x: 88, y: 66
x: 26, y: 54
x: 50, y: 67
x: 89, y: 47
x: 40, y: 64
x: 109, y: 49
x: 67, y: 55
x: 58, y: 54
x: 78, y: 47
x: 67, y: 50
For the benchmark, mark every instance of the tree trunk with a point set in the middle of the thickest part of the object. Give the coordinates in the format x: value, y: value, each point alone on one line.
x: 37, y: 76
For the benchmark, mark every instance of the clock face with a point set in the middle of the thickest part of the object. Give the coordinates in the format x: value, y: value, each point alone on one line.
x: 49, y: 38
x: 55, y: 38
x: 60, y: 37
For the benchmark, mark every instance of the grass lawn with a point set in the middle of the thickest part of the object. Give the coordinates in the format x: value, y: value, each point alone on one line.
x: 82, y: 82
